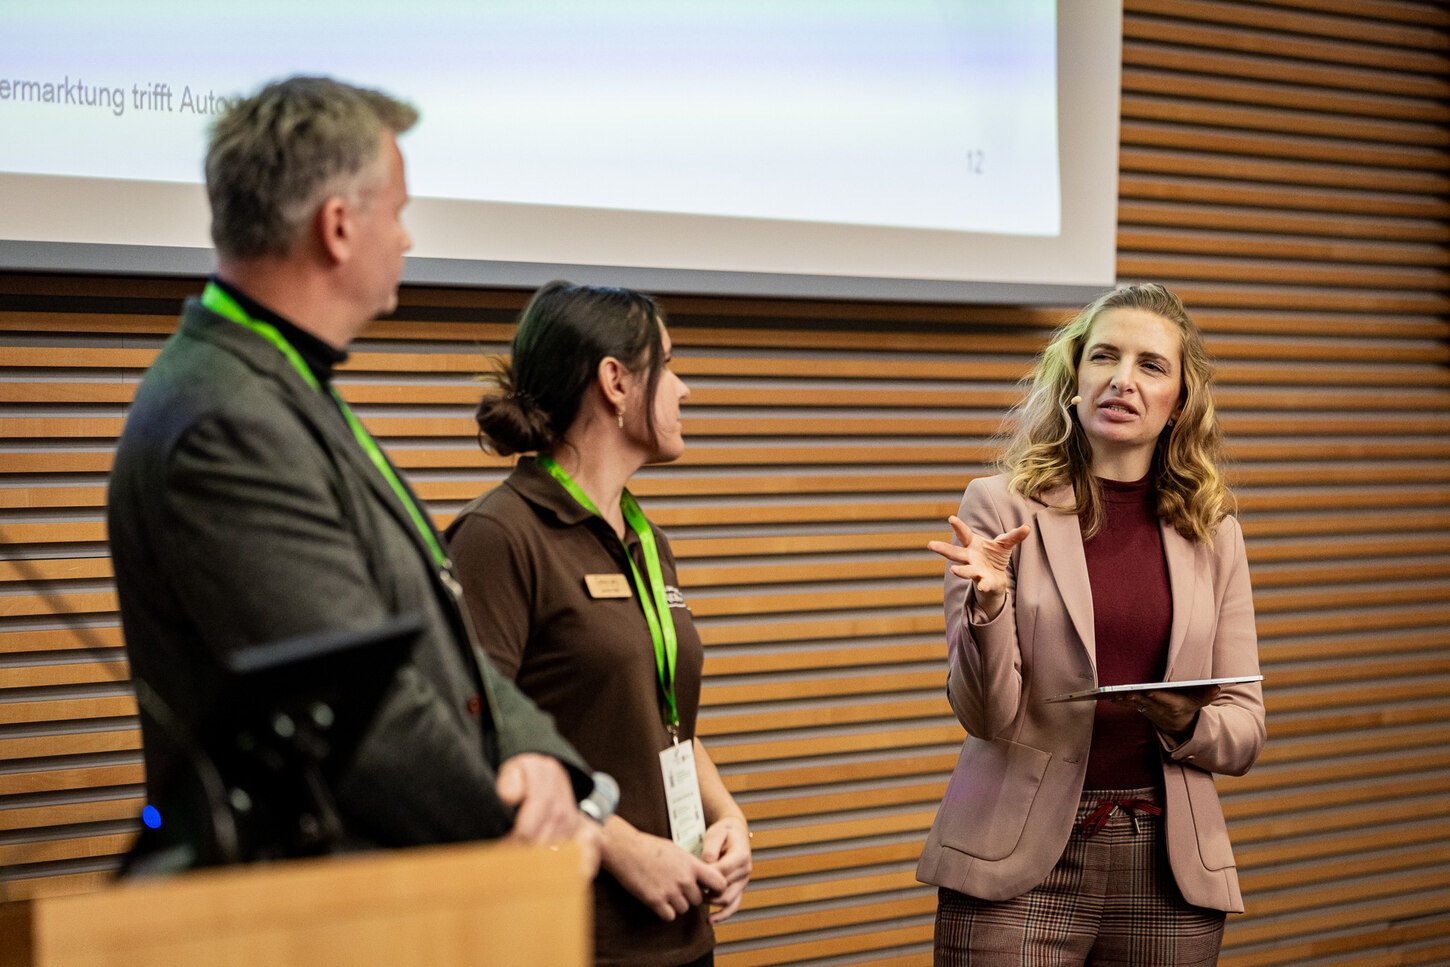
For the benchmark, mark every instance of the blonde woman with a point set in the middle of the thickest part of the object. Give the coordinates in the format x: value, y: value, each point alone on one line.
x: 1104, y: 553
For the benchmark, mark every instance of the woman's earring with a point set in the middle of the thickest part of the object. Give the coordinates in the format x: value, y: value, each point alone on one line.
x: 1074, y: 401
x: 620, y: 413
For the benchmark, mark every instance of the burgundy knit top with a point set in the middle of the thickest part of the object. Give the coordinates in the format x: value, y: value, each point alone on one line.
x: 1132, y: 616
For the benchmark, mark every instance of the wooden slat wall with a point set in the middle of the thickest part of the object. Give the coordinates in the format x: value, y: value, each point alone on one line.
x: 1283, y: 166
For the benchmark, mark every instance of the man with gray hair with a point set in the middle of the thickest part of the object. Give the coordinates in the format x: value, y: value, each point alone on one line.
x: 248, y: 506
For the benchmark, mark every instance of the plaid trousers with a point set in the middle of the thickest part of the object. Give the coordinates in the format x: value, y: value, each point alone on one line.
x: 1110, y: 901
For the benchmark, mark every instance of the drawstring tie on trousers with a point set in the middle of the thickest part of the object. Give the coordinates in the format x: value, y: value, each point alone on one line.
x: 1106, y: 807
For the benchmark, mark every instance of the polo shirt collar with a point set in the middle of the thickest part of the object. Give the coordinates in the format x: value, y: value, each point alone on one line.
x: 536, y: 485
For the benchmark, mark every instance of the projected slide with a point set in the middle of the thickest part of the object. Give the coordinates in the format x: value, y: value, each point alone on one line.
x: 908, y: 113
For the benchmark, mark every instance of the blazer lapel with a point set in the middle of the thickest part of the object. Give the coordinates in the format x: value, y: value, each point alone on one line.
x: 1062, y: 541
x: 318, y: 407
x: 344, y: 444
x: 1182, y: 557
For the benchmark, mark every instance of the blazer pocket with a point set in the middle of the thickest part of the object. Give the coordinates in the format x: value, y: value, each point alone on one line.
x: 1209, y: 827
x: 990, y: 793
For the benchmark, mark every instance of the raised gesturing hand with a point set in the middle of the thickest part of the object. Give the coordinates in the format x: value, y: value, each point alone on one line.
x: 981, y: 560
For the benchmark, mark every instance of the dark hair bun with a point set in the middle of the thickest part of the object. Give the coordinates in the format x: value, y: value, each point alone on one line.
x: 510, y: 421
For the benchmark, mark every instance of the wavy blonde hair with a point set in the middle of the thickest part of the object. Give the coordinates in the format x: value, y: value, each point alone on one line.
x: 1048, y: 448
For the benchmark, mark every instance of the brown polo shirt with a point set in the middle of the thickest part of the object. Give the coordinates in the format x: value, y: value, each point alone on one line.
x: 522, y: 551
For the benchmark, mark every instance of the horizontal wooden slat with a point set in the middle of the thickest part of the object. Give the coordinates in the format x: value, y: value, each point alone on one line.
x: 1377, y: 862
x: 76, y: 357
x: 817, y: 861
x: 49, y: 851
x: 757, y: 662
x: 1273, y: 195
x: 1385, y: 643
x: 126, y: 806
x: 1402, y: 11
x: 1263, y: 552
x: 1400, y: 938
x: 1283, y: 45
x: 1171, y: 266
x: 60, y: 639
x: 13, y: 605
x: 1282, y: 246
x: 1308, y: 901
x: 1363, y: 622
x: 1187, y: 80
x: 55, y: 569
x: 1316, y: 498
x: 894, y: 766
x: 1164, y: 155
x: 1405, y: 37
x: 1340, y: 598
x: 1237, y: 222
x: 819, y: 629
x: 901, y: 880
x: 1322, y: 724
x: 55, y: 532
x: 794, y: 833
x: 71, y: 743
x: 823, y: 805
x: 811, y: 717
x: 1318, y: 747
x: 1312, y: 795
x: 765, y: 604
x: 830, y: 947
x: 726, y: 752
x: 77, y: 673
x: 18, y: 783
x: 90, y: 393
x: 840, y: 915
x: 95, y: 461
x: 841, y: 685
x: 1173, y: 108
x: 33, y: 888
x: 62, y: 709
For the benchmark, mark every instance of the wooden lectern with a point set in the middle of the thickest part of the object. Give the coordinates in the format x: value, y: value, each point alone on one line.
x: 445, y: 906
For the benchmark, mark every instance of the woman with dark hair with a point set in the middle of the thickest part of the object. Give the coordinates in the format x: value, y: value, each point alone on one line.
x: 573, y: 593
x: 1104, y: 553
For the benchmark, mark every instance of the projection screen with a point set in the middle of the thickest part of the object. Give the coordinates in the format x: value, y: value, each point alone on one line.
x: 961, y: 150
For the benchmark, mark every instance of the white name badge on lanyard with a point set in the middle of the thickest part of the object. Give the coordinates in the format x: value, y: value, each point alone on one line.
x: 682, y: 795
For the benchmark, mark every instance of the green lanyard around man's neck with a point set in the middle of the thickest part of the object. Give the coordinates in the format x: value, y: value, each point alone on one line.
x: 651, y: 593
x: 217, y: 300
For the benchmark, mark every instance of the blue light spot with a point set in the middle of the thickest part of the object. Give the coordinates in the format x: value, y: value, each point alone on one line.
x: 151, y: 816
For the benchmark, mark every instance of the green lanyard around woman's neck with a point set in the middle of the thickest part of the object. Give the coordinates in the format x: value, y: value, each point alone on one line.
x: 651, y: 593
x: 217, y: 300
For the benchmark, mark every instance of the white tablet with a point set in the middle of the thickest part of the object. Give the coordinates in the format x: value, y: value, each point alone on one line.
x: 1106, y: 691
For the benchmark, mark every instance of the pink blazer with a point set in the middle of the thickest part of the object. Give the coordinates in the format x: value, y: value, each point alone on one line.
x: 1011, y: 801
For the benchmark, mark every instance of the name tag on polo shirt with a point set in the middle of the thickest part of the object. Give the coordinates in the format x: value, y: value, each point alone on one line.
x: 614, y: 585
